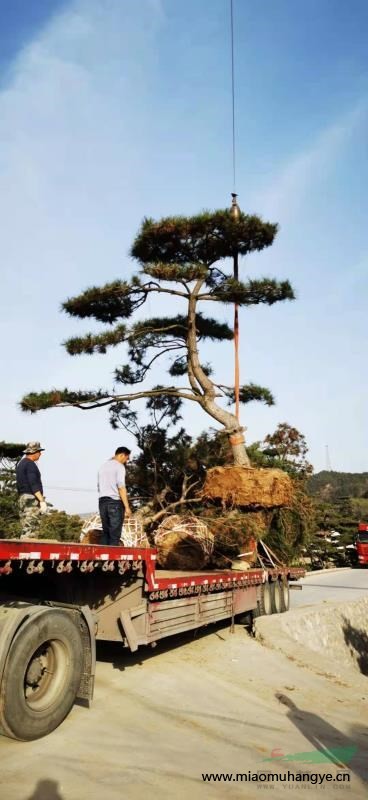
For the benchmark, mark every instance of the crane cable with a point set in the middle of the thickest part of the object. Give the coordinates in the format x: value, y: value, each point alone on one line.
x: 235, y: 213
x: 233, y: 91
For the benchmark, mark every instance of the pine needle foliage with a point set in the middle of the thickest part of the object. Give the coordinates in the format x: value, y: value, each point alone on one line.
x: 253, y: 292
x: 10, y: 453
x: 202, y: 239
x: 60, y: 397
x: 251, y: 392
x: 95, y: 343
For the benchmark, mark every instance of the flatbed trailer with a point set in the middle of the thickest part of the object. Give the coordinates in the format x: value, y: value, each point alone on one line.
x: 58, y: 598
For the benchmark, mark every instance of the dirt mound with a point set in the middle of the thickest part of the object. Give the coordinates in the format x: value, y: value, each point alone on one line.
x: 249, y: 487
x: 332, y: 637
x: 183, y: 543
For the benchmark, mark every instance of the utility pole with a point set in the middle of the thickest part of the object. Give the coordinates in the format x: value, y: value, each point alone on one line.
x: 328, y: 462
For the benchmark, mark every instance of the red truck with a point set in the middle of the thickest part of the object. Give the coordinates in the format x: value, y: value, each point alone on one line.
x: 361, y: 543
x: 57, y: 599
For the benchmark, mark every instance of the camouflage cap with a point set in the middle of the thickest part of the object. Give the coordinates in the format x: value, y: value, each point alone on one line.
x: 32, y: 448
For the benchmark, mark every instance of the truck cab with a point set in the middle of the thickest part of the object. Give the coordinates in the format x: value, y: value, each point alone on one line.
x: 361, y: 543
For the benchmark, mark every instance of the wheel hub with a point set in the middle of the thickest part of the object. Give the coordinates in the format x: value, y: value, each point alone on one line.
x: 36, y: 669
x: 34, y: 673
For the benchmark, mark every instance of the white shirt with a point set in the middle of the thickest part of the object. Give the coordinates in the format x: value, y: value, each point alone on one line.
x: 111, y: 478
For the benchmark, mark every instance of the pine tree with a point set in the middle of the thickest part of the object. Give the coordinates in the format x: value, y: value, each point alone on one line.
x: 181, y: 258
x: 10, y: 453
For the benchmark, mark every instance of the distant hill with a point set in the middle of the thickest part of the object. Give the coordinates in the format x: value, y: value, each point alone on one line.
x: 332, y: 486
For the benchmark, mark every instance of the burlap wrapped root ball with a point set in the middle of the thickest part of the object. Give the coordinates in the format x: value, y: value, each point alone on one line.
x: 183, y: 542
x: 249, y: 487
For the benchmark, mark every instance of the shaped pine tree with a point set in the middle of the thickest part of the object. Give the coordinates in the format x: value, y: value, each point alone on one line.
x: 179, y: 257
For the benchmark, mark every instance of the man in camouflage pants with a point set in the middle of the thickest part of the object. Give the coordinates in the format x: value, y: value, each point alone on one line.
x: 29, y: 485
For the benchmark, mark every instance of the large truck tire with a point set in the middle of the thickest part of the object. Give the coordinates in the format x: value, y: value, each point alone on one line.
x: 285, y: 594
x: 41, y: 676
x: 264, y: 605
x: 276, y: 596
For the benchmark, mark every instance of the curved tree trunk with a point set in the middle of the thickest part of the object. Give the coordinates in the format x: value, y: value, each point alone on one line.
x: 233, y: 429
x: 240, y: 455
x: 206, y: 389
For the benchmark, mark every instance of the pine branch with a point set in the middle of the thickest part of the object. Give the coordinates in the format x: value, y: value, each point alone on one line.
x: 170, y: 507
x: 167, y: 406
x: 95, y: 343
x: 10, y: 450
x: 106, y: 303
x: 266, y: 290
x: 169, y: 333
x: 122, y: 414
x: 175, y: 272
x: 38, y: 401
x: 180, y: 367
x: 206, y: 327
x: 34, y: 401
x: 129, y: 376
x: 248, y: 393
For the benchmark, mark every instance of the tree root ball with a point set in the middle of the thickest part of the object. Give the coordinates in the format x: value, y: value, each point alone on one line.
x: 249, y: 487
x: 183, y: 543
x: 236, y: 534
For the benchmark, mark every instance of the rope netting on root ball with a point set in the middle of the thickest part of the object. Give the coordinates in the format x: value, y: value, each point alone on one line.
x: 132, y: 533
x: 183, y: 542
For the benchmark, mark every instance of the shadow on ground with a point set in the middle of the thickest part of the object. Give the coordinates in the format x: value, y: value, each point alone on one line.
x: 46, y: 790
x: 357, y: 642
x: 329, y: 744
x: 121, y: 658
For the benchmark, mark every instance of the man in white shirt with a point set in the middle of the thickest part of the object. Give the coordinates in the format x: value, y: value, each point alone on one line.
x: 113, y: 499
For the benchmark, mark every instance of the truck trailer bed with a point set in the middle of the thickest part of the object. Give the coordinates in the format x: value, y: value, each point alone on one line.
x: 58, y: 598
x: 34, y: 555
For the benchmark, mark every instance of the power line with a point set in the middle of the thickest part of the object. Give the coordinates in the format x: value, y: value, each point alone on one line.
x: 68, y: 489
x: 328, y: 461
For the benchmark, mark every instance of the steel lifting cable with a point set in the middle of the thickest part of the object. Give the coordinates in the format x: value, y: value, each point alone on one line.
x: 233, y: 90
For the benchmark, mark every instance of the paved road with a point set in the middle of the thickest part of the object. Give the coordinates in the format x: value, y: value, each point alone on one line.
x: 219, y: 702
x: 350, y: 584
x: 211, y: 702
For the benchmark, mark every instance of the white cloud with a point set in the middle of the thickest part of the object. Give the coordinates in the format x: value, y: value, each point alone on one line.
x: 74, y: 117
x: 307, y: 169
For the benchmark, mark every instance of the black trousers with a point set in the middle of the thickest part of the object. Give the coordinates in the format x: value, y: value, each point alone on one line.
x: 112, y: 518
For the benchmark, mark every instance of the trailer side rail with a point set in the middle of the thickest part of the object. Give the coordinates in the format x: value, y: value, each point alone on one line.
x: 67, y: 556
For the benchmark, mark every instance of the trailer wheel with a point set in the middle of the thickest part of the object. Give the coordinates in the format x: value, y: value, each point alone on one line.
x: 276, y: 597
x: 285, y: 594
x: 264, y: 605
x: 42, y: 676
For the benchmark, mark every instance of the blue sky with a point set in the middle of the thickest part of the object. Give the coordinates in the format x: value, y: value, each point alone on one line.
x: 110, y: 111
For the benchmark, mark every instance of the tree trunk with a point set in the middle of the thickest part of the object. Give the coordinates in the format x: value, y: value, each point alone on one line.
x: 206, y: 398
x: 240, y: 455
x: 233, y: 429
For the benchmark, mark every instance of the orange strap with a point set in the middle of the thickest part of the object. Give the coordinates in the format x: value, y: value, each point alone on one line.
x: 236, y: 345
x: 236, y: 438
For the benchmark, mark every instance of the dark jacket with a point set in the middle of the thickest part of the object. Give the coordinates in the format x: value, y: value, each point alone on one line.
x: 28, y: 477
